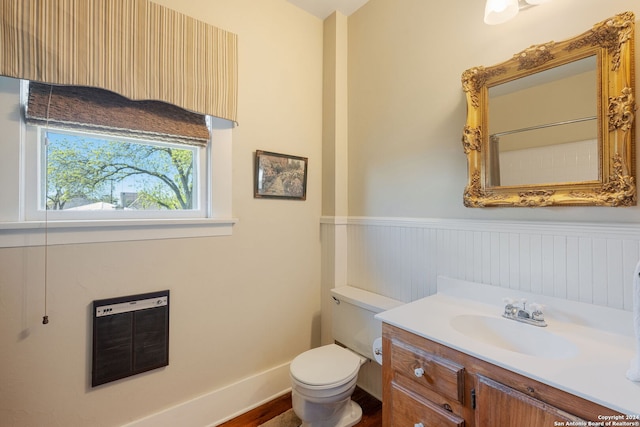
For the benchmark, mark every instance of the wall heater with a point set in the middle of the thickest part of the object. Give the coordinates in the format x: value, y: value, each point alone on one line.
x: 130, y: 336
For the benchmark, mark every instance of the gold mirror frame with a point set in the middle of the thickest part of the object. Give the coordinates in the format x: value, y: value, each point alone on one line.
x: 612, y: 42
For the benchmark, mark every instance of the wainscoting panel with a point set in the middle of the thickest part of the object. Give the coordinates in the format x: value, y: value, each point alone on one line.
x: 402, y: 258
x: 568, y: 162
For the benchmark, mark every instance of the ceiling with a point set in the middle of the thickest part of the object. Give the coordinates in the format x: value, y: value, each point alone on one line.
x: 324, y: 8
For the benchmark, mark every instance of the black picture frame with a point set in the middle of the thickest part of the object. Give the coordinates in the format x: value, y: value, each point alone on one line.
x: 280, y: 176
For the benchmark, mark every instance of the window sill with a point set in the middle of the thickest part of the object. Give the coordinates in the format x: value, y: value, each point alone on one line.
x: 35, y: 233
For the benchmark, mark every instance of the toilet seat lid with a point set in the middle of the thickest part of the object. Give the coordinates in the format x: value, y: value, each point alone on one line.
x: 326, y: 365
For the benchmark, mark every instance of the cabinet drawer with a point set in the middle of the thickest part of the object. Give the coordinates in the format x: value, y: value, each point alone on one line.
x: 428, y: 370
x: 409, y: 409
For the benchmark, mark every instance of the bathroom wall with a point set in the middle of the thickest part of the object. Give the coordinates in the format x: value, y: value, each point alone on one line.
x: 406, y: 223
x: 406, y: 114
x: 233, y: 321
x: 242, y: 306
x: 403, y: 257
x: 407, y: 108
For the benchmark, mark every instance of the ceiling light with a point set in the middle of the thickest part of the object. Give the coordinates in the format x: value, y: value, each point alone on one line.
x: 499, y: 11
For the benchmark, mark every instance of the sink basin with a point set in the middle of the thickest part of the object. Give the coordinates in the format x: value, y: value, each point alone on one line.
x: 514, y: 336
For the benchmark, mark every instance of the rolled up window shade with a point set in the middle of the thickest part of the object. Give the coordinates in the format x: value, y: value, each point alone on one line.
x: 135, y: 48
x: 102, y: 111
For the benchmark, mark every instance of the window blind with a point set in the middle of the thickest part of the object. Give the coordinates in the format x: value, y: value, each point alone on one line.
x: 99, y: 110
x: 135, y: 48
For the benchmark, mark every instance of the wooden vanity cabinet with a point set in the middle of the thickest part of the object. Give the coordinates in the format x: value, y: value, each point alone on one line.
x: 427, y: 384
x: 499, y: 405
x: 422, y: 387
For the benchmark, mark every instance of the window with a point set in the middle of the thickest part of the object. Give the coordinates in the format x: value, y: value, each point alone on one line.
x: 105, y: 156
x: 86, y: 175
x: 106, y: 184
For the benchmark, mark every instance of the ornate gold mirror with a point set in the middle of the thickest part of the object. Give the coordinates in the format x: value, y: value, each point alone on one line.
x: 554, y: 124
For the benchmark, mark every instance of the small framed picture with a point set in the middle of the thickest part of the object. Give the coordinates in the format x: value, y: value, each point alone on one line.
x: 280, y: 176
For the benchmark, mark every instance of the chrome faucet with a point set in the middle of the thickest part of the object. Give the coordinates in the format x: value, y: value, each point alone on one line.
x: 519, y: 312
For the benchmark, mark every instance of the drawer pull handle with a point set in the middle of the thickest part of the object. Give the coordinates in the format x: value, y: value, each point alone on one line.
x: 418, y: 372
x: 418, y: 425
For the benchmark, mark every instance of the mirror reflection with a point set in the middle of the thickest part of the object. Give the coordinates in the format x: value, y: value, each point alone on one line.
x: 535, y: 141
x: 553, y: 125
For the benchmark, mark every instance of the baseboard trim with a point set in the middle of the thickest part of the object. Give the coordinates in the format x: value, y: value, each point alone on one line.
x: 223, y: 404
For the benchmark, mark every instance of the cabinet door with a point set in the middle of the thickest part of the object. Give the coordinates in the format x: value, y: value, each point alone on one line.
x: 499, y: 405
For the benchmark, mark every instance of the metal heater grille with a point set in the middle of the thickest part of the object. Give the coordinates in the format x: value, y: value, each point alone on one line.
x: 130, y: 336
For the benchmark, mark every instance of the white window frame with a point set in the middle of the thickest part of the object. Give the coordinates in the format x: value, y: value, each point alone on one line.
x: 21, y: 225
x: 35, y: 185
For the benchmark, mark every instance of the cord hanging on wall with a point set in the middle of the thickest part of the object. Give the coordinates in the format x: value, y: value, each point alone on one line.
x: 45, y: 317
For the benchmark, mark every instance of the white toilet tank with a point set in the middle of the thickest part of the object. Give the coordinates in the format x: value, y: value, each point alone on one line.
x: 353, y: 323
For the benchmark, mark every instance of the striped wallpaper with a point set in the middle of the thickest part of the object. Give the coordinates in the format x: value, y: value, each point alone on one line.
x: 136, y: 48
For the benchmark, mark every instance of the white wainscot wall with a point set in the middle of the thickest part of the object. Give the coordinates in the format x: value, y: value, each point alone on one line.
x: 401, y: 258
x: 569, y: 162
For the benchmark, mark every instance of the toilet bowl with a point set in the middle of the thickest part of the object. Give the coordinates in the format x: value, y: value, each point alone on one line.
x: 324, y: 378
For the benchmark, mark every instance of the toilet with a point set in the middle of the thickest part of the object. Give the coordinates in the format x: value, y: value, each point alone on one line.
x: 324, y: 378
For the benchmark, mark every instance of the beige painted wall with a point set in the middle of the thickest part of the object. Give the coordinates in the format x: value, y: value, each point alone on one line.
x: 245, y: 303
x: 407, y: 108
x: 239, y: 305
x: 335, y: 116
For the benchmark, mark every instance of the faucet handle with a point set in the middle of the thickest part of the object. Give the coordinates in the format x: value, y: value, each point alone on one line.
x: 536, y: 311
x: 535, y: 307
x: 509, y: 309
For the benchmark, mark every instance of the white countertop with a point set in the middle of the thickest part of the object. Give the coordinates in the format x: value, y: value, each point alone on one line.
x: 597, y: 342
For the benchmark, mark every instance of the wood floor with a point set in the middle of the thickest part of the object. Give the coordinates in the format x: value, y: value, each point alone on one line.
x: 371, y: 411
